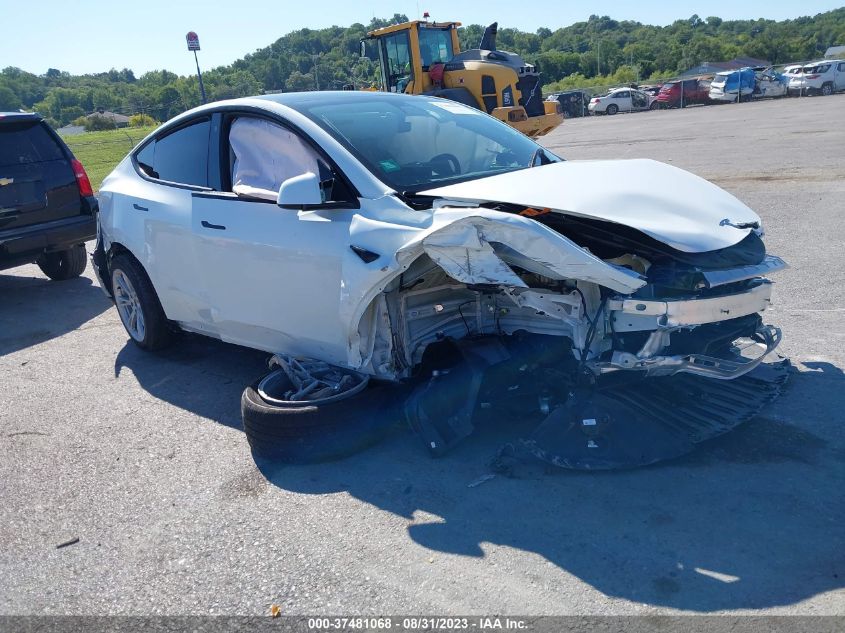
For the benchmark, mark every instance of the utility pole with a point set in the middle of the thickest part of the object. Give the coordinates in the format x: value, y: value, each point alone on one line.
x: 598, y: 58
x: 316, y: 77
x: 194, y: 45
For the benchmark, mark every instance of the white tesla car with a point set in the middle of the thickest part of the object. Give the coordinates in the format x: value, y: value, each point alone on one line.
x: 372, y: 239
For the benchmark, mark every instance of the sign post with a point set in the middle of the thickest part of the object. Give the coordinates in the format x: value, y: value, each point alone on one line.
x: 194, y: 45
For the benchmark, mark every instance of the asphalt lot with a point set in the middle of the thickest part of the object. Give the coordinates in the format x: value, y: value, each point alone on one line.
x: 141, y: 456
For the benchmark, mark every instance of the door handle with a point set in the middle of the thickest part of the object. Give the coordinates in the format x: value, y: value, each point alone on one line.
x: 138, y: 207
x: 209, y: 225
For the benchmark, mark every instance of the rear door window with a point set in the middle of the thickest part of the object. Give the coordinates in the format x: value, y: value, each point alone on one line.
x: 179, y: 157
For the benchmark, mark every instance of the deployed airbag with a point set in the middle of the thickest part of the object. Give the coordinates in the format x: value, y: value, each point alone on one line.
x: 266, y: 155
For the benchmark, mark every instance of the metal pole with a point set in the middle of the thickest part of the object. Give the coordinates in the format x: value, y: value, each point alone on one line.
x: 316, y: 78
x: 598, y: 59
x: 199, y: 75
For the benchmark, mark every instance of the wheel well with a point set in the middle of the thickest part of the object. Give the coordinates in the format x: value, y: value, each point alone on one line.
x: 115, y: 249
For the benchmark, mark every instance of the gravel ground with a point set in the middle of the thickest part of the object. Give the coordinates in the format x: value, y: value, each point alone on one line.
x: 141, y: 457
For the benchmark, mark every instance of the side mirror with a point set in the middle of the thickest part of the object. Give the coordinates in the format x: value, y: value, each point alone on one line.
x: 300, y: 191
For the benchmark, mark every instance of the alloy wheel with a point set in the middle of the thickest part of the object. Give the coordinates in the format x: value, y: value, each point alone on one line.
x: 128, y: 305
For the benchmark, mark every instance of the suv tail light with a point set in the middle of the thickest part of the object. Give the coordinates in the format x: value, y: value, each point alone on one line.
x: 596, y: 100
x: 85, y: 189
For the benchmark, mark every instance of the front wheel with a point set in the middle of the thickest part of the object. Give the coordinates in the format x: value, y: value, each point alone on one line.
x: 321, y: 423
x: 64, y: 264
x: 612, y: 109
x: 654, y: 106
x: 138, y: 305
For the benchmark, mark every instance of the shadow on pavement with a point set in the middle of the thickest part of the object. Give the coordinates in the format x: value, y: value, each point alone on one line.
x: 34, y: 310
x: 752, y: 519
x: 197, y: 374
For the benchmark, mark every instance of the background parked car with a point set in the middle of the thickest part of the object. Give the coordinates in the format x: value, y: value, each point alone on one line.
x: 622, y: 100
x: 791, y: 71
x: 769, y: 83
x: 47, y: 206
x: 681, y: 93
x: 573, y: 102
x: 731, y: 85
x: 650, y: 90
x: 822, y: 77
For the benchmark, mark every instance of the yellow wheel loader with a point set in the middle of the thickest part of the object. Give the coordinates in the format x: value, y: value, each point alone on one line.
x: 425, y: 58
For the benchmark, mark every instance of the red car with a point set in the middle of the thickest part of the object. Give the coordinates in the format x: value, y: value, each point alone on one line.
x: 678, y: 94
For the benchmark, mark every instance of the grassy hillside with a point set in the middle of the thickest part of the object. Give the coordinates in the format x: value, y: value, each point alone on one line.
x: 99, y: 152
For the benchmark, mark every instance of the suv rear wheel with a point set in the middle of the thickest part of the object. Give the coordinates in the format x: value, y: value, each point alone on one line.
x: 65, y: 264
x: 138, y: 305
x: 827, y: 90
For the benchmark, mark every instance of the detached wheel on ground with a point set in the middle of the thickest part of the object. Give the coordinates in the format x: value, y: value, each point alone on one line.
x: 612, y: 109
x: 65, y: 264
x: 137, y: 304
x: 333, y: 424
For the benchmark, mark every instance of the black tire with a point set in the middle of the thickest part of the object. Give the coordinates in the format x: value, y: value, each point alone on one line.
x: 654, y: 105
x: 65, y: 264
x: 157, y: 333
x: 308, y: 433
x: 827, y: 90
x: 611, y: 109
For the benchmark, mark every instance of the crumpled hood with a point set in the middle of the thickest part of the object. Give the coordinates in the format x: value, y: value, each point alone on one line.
x: 669, y: 204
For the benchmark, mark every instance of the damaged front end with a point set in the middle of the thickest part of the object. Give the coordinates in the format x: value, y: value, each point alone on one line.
x: 605, y: 337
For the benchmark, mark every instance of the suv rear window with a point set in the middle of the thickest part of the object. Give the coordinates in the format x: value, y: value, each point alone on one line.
x: 27, y: 142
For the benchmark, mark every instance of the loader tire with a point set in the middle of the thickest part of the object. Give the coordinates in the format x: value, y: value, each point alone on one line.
x: 303, y: 433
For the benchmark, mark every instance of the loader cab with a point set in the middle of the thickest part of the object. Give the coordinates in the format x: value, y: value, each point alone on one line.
x: 408, y: 50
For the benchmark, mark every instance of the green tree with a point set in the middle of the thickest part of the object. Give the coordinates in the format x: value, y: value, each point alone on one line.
x: 9, y: 101
x: 298, y: 82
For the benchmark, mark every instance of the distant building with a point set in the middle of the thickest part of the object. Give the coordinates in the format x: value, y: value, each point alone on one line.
x: 834, y: 52
x: 118, y: 119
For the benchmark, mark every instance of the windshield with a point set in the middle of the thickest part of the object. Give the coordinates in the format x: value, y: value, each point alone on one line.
x: 414, y: 143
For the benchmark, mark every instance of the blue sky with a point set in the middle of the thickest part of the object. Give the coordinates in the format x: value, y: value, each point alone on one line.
x: 94, y: 35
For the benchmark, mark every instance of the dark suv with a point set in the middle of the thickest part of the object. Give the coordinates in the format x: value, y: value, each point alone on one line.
x: 47, y: 207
